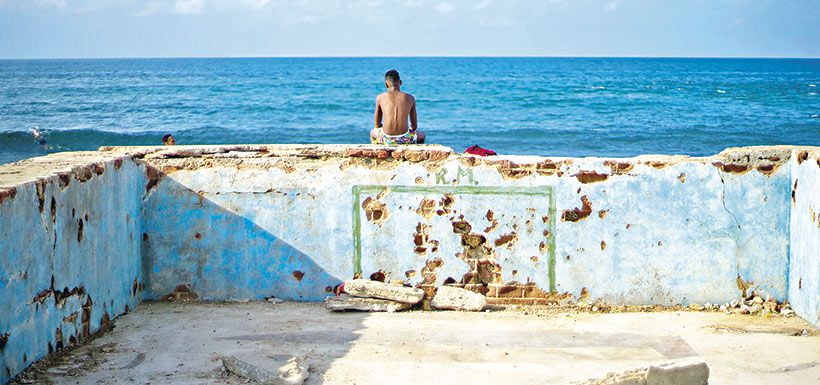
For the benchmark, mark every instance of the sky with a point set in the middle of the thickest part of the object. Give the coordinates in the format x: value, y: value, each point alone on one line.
x: 230, y: 28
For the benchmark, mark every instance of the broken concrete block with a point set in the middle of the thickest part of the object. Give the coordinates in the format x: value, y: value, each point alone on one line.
x: 454, y: 298
x: 269, y: 371
x: 687, y: 372
x: 346, y: 302
x: 374, y: 289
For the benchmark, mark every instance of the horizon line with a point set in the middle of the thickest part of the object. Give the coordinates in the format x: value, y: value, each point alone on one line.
x: 408, y: 57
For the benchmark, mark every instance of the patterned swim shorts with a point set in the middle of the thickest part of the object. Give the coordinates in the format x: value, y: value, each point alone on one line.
x: 408, y: 137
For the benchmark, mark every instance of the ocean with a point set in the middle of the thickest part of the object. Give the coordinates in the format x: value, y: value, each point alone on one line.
x: 542, y: 106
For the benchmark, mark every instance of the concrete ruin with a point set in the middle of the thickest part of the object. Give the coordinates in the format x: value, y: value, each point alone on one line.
x: 86, y: 236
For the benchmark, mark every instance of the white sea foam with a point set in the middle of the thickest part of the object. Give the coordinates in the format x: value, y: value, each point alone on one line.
x: 812, y: 85
x: 598, y: 88
x: 721, y: 91
x: 812, y: 93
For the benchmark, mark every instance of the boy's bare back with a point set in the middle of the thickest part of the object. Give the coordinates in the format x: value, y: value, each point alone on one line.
x: 396, y: 108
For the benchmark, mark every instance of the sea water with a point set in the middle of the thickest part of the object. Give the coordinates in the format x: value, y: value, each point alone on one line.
x: 543, y: 106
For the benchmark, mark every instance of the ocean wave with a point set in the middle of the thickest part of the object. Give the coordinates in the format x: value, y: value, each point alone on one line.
x: 721, y: 91
x: 78, y: 139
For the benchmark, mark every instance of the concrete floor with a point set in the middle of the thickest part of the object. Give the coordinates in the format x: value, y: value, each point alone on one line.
x: 180, y: 343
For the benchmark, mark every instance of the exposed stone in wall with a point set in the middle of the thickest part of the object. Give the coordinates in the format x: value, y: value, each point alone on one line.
x: 578, y: 214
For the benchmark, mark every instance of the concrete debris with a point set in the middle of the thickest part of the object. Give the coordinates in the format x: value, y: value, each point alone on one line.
x: 274, y: 300
x: 691, y: 371
x: 281, y: 372
x: 755, y: 305
x: 346, y: 302
x: 380, y: 290
x: 631, y: 377
x: 454, y: 298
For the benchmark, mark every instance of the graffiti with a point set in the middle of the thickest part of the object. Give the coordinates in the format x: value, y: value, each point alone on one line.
x: 441, y: 177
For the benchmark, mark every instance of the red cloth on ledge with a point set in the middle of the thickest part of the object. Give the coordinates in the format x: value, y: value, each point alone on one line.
x: 476, y: 150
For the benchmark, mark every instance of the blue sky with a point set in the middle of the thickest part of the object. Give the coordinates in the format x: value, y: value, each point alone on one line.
x: 197, y: 28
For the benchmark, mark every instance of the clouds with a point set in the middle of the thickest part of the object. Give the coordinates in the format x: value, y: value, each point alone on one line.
x: 611, y: 6
x: 59, y: 28
x: 256, y: 4
x: 444, y: 7
x: 50, y: 3
x: 189, y: 7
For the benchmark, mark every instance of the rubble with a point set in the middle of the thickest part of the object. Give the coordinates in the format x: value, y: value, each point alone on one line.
x: 454, y: 298
x: 346, y: 302
x: 692, y: 371
x: 754, y: 304
x: 631, y: 377
x: 289, y: 372
x: 380, y: 290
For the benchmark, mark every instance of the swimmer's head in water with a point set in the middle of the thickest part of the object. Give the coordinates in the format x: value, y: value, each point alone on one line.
x: 392, y: 79
x: 168, y: 140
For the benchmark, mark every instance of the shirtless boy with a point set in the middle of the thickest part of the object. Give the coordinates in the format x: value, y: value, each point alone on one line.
x: 394, y: 108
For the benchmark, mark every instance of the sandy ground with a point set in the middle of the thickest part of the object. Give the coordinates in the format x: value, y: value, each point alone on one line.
x: 180, y: 343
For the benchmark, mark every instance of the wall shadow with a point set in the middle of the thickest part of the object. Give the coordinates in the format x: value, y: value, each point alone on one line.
x: 219, y: 255
x: 195, y: 249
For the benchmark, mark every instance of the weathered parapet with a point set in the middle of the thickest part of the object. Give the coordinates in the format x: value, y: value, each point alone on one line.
x: 69, y: 251
x: 804, y: 267
x: 254, y: 221
x: 81, y: 233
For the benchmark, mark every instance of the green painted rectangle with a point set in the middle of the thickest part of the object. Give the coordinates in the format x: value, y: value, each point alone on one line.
x: 544, y: 191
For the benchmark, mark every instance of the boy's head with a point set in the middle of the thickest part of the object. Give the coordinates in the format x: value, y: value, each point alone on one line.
x: 392, y: 79
x: 168, y: 140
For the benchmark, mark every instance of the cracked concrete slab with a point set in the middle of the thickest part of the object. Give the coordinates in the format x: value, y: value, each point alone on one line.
x: 181, y: 343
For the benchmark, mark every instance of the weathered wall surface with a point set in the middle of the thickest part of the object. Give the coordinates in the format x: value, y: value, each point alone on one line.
x: 81, y: 233
x: 804, y: 269
x: 69, y: 251
x: 259, y: 221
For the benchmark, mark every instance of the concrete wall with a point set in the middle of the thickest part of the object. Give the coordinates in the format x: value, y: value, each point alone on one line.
x: 655, y: 230
x: 85, y: 236
x: 69, y: 251
x: 804, y: 269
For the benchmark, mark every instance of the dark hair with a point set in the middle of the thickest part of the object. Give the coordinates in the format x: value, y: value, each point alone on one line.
x: 393, y: 76
x: 166, y: 137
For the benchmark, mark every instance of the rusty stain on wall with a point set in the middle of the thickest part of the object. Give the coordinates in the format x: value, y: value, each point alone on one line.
x: 40, y: 185
x: 577, y: 214
x: 507, y: 240
x: 7, y: 193
x: 426, y: 208
x: 802, y: 156
x: 732, y: 167
x: 619, y: 168
x: 298, y: 275
x: 590, y: 177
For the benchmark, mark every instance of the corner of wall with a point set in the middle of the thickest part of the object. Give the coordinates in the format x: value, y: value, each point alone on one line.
x: 804, y: 229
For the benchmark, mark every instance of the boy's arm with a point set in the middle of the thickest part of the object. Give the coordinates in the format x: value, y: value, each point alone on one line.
x: 377, y: 117
x: 414, y: 121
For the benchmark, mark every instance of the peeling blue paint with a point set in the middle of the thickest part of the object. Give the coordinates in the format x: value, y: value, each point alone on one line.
x: 245, y: 225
